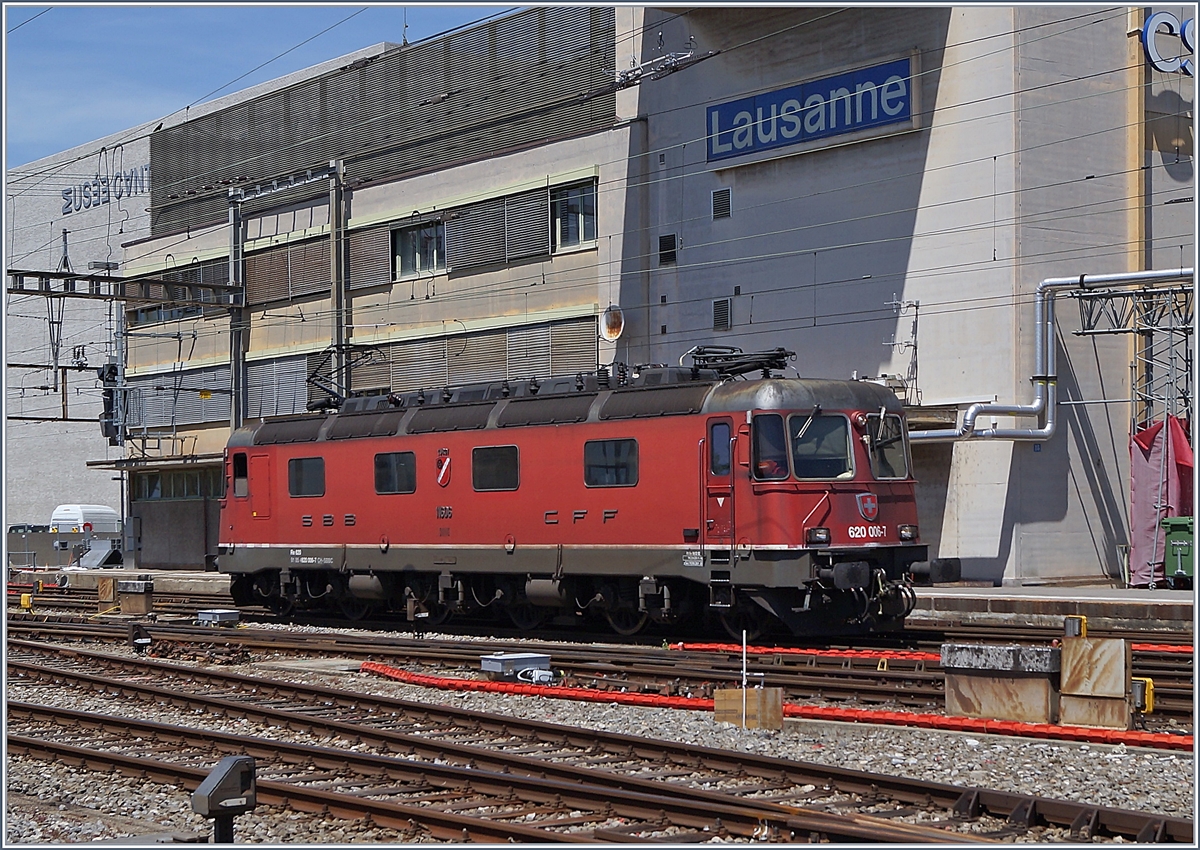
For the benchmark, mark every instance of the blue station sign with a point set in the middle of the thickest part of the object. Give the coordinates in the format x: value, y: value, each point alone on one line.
x: 832, y: 106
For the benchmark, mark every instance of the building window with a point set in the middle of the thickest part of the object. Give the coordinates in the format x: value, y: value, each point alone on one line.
x: 395, y: 472
x: 573, y: 215
x: 420, y: 249
x: 610, y: 463
x: 495, y: 468
x: 204, y: 483
x: 306, y: 476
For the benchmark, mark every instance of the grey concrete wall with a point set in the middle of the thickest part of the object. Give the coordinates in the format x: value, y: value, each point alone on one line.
x: 176, y: 534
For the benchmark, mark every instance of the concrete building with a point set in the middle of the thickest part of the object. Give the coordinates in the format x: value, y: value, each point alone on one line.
x: 880, y: 190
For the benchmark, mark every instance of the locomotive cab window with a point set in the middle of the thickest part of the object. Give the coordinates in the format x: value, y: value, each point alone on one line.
x: 306, y: 476
x: 241, y: 476
x: 395, y: 472
x: 495, y: 468
x: 820, y: 445
x: 610, y: 463
x: 770, y: 448
x: 885, y: 440
x: 719, y: 459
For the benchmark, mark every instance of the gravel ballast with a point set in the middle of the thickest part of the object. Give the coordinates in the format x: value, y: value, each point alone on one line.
x: 53, y: 803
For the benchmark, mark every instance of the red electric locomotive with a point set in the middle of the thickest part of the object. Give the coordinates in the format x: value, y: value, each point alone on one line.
x: 655, y: 496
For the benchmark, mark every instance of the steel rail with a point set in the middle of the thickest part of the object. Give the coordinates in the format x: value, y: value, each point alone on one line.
x: 908, y: 682
x: 966, y: 802
x: 653, y: 810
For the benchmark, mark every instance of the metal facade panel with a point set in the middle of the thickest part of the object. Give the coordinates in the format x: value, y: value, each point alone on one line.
x: 179, y: 402
x: 267, y: 276
x: 276, y: 387
x: 475, y: 235
x: 474, y: 358
x: 527, y: 224
x: 504, y: 84
x: 373, y: 374
x: 528, y: 351
x: 370, y: 259
x: 419, y: 364
x: 308, y: 267
x: 574, y: 346
x: 322, y: 365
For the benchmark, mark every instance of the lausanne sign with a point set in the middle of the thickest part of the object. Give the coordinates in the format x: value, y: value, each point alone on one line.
x: 1169, y: 24
x: 833, y: 106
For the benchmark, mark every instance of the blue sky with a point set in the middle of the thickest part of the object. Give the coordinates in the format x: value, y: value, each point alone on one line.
x: 78, y: 73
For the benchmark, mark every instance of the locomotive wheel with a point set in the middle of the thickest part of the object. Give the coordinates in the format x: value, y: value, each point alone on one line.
x: 743, y: 616
x: 626, y: 621
x: 281, y: 606
x: 436, y: 614
x: 353, y: 608
x: 525, y: 615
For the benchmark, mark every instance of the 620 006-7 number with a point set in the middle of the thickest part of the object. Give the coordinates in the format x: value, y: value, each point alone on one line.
x: 862, y: 532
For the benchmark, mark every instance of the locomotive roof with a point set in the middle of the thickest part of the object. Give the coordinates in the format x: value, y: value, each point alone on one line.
x: 654, y: 393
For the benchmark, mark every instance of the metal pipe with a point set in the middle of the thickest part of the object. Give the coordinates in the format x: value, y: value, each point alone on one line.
x: 1045, y: 378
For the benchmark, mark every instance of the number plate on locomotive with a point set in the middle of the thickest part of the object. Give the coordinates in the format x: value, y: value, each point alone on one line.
x: 693, y: 558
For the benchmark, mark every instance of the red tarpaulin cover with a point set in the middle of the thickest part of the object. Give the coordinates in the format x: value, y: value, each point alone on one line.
x: 1160, y: 472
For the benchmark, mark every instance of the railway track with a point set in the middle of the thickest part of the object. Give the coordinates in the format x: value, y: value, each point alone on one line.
x: 501, y: 778
x: 910, y: 679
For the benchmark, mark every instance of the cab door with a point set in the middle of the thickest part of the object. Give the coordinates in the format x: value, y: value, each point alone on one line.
x: 718, y: 485
x: 260, y: 486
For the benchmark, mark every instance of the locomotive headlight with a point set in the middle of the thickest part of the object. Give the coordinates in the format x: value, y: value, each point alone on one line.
x: 907, y: 532
x: 818, y: 536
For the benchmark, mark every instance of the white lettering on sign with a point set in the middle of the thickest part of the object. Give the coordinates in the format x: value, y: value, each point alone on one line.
x: 1167, y: 23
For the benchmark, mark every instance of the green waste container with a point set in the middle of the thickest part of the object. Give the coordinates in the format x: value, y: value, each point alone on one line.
x: 1177, y: 562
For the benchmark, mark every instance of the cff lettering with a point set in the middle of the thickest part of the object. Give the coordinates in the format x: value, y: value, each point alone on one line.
x: 868, y: 97
x: 103, y: 189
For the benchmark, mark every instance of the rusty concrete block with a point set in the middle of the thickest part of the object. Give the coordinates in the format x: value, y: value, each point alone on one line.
x: 106, y: 590
x: 1096, y: 667
x: 1104, y: 712
x: 1029, y: 699
x: 136, y: 603
x: 764, y: 707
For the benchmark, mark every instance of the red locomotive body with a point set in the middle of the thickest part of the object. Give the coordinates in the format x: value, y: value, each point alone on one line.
x: 652, y: 499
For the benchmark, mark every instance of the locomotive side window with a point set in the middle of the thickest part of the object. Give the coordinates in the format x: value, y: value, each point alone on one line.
x: 886, y: 433
x: 610, y: 463
x: 241, y: 477
x: 820, y: 445
x: 396, y: 472
x: 495, y: 468
x: 718, y: 452
x: 770, y: 448
x: 306, y: 476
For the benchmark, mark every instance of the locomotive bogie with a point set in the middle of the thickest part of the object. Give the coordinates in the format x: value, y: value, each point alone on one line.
x: 784, y: 501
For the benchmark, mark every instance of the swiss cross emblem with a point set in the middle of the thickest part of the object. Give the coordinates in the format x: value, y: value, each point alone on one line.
x: 868, y: 506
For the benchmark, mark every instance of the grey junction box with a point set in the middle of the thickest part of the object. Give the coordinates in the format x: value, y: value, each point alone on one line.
x: 509, y: 664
